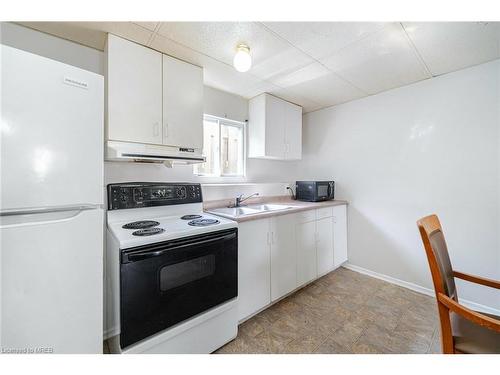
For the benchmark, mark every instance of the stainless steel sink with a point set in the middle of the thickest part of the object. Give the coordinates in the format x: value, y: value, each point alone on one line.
x: 235, y: 212
x: 269, y: 207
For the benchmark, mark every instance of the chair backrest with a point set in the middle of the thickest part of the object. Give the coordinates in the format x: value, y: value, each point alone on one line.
x: 437, y: 255
x: 441, y: 271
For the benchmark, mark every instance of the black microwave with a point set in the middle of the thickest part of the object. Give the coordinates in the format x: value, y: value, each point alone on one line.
x: 314, y: 191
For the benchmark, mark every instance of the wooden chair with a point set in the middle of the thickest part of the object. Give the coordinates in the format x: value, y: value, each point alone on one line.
x: 462, y: 330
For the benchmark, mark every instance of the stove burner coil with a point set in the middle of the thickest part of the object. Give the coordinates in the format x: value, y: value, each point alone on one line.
x: 148, y: 232
x: 191, y: 217
x: 142, y: 224
x: 203, y: 222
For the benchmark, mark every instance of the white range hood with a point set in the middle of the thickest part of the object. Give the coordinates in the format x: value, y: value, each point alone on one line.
x: 139, y: 152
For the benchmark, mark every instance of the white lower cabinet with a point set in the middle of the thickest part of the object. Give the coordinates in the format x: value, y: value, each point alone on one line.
x: 283, y: 256
x: 254, y: 267
x: 306, y: 252
x: 339, y: 235
x: 279, y: 254
x: 324, y: 245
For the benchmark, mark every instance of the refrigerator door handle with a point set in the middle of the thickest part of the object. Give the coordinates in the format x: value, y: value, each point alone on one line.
x: 39, y: 216
x: 43, y: 210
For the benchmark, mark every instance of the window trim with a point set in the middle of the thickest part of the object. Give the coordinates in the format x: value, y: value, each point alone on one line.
x: 227, y: 177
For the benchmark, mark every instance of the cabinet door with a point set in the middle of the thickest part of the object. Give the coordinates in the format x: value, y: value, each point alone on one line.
x: 254, y: 267
x: 306, y: 252
x: 275, y: 127
x: 339, y: 234
x: 283, y: 256
x: 324, y: 245
x: 182, y: 104
x: 293, y: 131
x: 134, y: 92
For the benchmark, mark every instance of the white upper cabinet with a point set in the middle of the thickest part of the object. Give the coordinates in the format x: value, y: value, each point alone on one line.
x: 134, y: 92
x: 152, y: 98
x: 293, y: 131
x: 275, y: 128
x: 182, y: 104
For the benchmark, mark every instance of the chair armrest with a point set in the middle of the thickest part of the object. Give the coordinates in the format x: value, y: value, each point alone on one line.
x: 478, y: 280
x: 473, y: 316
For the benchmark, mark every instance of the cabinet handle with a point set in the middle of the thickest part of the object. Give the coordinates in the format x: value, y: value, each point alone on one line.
x: 166, y: 130
x: 272, y: 238
x: 156, y: 129
x: 268, y: 239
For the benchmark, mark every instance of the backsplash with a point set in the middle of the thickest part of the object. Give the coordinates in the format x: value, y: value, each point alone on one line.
x: 212, y: 192
x: 139, y: 172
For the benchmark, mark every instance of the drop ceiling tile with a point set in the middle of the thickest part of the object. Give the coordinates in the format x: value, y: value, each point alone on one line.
x: 148, y: 25
x: 127, y: 30
x: 321, y: 39
x: 270, y: 54
x: 224, y: 77
x: 281, y: 62
x: 296, y: 77
x: 296, y: 98
x: 379, y: 62
x: 327, y: 90
x: 449, y: 46
x: 261, y: 87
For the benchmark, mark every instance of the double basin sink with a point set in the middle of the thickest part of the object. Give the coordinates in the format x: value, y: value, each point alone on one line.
x: 251, y: 209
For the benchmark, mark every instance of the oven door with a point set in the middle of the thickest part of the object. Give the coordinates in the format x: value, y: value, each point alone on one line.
x: 166, y: 283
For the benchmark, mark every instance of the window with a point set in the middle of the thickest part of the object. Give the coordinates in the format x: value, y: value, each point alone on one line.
x: 224, y: 148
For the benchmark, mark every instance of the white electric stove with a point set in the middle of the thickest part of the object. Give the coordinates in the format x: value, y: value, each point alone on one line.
x: 171, y: 271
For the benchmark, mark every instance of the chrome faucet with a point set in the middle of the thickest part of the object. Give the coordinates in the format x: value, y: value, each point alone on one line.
x: 239, y: 199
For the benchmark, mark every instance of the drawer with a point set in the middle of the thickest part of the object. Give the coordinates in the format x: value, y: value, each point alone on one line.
x: 323, y: 212
x: 306, y: 216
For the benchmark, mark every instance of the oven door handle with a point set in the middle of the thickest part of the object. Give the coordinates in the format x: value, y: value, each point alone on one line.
x: 127, y: 258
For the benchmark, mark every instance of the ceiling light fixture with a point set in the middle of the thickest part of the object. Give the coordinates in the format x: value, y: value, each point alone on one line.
x: 242, y: 60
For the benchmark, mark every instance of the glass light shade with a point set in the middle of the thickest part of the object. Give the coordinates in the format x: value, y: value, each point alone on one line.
x: 242, y: 60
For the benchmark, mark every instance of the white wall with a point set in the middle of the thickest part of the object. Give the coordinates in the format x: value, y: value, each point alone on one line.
x: 431, y: 147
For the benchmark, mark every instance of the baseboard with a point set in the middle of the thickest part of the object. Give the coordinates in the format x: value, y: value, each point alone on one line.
x: 418, y: 288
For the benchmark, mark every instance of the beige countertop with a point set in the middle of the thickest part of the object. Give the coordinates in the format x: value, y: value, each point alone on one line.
x: 296, y: 206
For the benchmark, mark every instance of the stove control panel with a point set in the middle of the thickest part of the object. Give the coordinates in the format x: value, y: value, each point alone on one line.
x: 145, y: 194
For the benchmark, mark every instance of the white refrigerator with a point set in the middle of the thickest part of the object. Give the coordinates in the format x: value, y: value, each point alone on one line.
x: 51, y: 208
